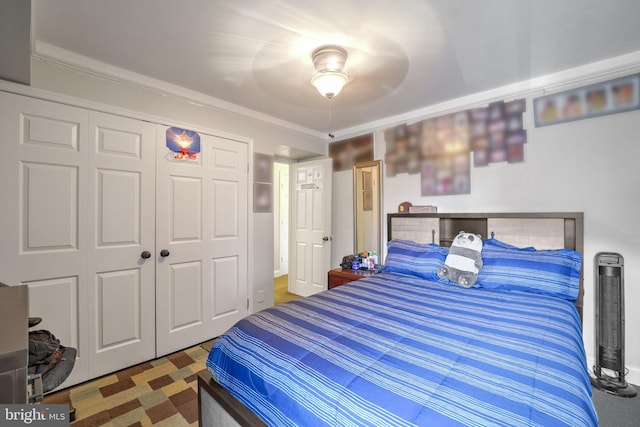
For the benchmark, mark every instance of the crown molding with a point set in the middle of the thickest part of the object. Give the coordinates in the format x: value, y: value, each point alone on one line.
x: 72, y: 101
x: 579, y: 76
x: 85, y: 65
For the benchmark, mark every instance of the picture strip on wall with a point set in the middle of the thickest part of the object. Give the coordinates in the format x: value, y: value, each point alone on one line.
x: 600, y: 99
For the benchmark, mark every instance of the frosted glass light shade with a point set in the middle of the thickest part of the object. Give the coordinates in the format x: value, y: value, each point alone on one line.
x: 329, y: 83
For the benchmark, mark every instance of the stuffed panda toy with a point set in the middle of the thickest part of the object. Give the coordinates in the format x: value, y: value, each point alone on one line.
x: 464, y: 260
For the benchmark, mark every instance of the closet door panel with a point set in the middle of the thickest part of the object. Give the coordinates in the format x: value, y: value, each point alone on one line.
x: 202, y: 223
x: 186, y: 209
x: 43, y: 187
x: 46, y: 297
x: 185, y: 298
x: 224, y: 239
x: 120, y: 327
x: 225, y: 292
x: 186, y: 295
x: 51, y: 132
x: 47, y: 226
x: 227, y: 242
x: 180, y: 210
x: 121, y: 228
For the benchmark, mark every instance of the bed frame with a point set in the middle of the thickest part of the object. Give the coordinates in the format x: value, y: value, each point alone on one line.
x: 543, y: 230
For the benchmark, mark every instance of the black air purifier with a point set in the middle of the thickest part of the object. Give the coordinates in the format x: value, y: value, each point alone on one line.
x: 609, y: 284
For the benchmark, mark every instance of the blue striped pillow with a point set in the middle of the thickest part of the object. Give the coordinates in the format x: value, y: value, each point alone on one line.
x: 421, y: 260
x: 553, y: 272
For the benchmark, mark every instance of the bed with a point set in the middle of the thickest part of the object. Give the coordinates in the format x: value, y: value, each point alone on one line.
x: 405, y: 347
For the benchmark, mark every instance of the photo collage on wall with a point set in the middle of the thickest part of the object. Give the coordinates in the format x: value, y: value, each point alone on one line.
x: 438, y: 148
x: 347, y: 152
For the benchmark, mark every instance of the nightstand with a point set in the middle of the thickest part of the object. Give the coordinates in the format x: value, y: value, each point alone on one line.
x: 340, y: 276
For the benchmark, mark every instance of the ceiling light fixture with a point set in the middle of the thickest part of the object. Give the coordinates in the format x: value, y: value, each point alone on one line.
x: 329, y: 77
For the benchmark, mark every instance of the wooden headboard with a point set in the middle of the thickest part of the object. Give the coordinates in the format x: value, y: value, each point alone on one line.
x: 542, y: 230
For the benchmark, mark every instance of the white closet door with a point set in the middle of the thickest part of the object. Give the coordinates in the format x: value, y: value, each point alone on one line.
x: 201, y: 213
x: 43, y: 187
x: 227, y: 238
x: 121, y: 227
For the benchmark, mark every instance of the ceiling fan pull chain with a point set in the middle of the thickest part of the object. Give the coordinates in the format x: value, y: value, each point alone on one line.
x: 331, y: 117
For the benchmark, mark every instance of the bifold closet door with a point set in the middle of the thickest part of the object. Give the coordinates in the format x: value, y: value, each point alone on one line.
x: 201, y: 223
x: 121, y: 253
x: 43, y: 215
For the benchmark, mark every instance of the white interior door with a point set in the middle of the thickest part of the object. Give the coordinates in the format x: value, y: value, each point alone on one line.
x: 43, y: 187
x: 201, y: 217
x: 121, y: 229
x: 310, y: 231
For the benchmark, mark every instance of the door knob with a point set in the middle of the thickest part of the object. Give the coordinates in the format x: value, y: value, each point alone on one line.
x: 145, y: 255
x: 326, y: 238
x: 164, y: 253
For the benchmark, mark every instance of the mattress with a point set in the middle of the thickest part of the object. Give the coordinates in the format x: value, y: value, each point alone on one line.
x: 397, y: 350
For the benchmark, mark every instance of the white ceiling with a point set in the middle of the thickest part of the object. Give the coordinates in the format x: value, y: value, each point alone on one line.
x: 254, y: 55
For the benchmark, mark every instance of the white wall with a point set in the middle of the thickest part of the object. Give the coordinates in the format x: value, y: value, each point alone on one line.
x: 588, y: 166
x: 266, y: 138
x: 342, y: 216
x: 15, y: 41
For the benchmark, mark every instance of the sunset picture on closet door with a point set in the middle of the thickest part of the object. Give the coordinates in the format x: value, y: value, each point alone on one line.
x: 185, y: 143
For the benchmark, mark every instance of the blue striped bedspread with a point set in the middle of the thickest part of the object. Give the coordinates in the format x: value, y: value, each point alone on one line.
x: 396, y: 350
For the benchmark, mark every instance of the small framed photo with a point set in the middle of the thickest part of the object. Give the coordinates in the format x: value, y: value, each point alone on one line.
x: 262, y: 197
x: 262, y: 168
x: 516, y: 106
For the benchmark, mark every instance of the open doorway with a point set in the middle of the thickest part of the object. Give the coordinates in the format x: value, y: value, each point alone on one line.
x: 281, y: 234
x: 281, y: 219
x: 284, y: 157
